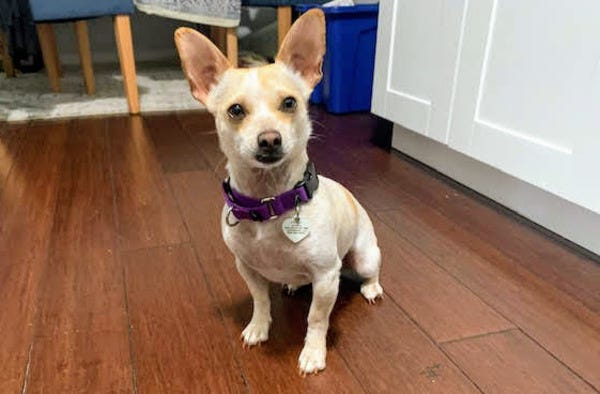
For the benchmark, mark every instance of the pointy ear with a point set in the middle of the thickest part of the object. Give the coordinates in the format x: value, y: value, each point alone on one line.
x: 303, y: 47
x: 202, y: 62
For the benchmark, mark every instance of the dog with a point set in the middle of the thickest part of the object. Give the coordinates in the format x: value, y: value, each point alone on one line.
x: 282, y: 221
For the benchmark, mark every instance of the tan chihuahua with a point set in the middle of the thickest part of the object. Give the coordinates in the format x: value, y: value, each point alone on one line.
x: 282, y: 221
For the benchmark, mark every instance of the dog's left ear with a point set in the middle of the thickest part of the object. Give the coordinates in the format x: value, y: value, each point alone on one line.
x: 303, y: 47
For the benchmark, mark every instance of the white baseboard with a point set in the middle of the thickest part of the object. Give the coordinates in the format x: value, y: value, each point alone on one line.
x: 562, y: 217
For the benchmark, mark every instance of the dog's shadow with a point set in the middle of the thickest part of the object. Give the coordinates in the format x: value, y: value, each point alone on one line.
x: 290, y: 314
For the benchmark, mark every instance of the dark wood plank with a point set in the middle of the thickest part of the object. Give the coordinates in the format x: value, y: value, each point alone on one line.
x: 200, y: 121
x: 574, y: 274
x: 388, y: 352
x: 561, y: 325
x: 179, y: 340
x: 26, y: 214
x: 174, y: 148
x: 11, y: 138
x: 146, y: 211
x: 81, y: 362
x: 271, y: 367
x: 509, y: 362
x: 436, y: 301
x: 82, y: 322
x: 201, y: 129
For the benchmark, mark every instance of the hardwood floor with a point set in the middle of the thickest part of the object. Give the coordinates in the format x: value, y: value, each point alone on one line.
x: 114, y: 277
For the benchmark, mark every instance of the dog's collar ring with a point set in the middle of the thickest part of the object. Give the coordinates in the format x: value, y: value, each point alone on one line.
x: 228, y: 218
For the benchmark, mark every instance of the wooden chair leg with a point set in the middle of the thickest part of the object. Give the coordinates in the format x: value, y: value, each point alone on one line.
x: 217, y: 35
x: 7, y: 62
x: 284, y: 22
x: 232, y: 46
x: 127, y: 60
x: 52, y: 38
x: 45, y: 33
x: 85, y: 56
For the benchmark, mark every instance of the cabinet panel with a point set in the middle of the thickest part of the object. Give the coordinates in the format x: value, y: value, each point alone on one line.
x: 527, y: 93
x: 416, y: 63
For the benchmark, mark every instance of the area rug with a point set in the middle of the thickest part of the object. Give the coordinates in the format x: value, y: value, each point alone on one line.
x: 28, y: 96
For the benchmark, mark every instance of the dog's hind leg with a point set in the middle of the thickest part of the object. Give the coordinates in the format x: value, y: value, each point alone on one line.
x: 365, y: 259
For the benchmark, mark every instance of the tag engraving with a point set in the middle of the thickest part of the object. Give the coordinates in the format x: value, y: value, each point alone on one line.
x: 296, y: 228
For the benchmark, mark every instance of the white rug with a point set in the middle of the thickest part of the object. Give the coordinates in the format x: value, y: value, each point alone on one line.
x: 28, y: 96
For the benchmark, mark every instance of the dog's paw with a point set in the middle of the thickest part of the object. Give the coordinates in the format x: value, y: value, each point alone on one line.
x: 311, y: 360
x: 371, y: 291
x: 289, y: 289
x: 255, y: 333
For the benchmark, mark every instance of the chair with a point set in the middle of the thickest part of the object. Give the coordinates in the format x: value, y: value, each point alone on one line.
x: 223, y: 17
x: 46, y: 12
x: 7, y: 62
x: 284, y: 12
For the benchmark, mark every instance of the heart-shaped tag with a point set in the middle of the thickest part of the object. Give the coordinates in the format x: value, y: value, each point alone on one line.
x: 295, y: 228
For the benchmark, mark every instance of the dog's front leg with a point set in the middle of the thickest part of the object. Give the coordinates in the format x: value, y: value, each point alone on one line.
x: 325, y: 291
x: 258, y: 329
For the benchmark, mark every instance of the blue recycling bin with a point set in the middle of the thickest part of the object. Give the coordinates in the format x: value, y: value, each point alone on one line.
x: 349, y: 62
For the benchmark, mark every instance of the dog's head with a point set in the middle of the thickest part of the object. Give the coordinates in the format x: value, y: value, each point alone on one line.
x: 261, y: 113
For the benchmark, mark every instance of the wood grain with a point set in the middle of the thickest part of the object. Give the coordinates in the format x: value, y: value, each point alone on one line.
x: 81, y: 362
x: 178, y: 334
x: 85, y: 56
x: 574, y: 274
x: 122, y: 27
x: 231, y: 39
x: 26, y: 214
x: 201, y: 129
x: 49, y: 53
x: 284, y: 23
x: 174, y: 147
x: 147, y: 213
x: 81, y: 342
x: 11, y: 142
x: 389, y: 353
x: 439, y: 304
x: 7, y: 63
x: 509, y: 362
x: 565, y: 328
x: 83, y: 286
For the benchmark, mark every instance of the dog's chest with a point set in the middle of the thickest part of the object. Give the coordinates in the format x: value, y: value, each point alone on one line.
x: 265, y: 248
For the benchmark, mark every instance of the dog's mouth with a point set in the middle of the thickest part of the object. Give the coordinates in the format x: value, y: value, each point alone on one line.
x: 268, y: 157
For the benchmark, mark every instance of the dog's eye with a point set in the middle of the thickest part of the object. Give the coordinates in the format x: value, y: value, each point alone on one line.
x: 236, y: 112
x: 288, y: 104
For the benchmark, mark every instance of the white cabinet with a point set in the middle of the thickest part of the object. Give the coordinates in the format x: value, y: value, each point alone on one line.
x: 513, y: 84
x: 415, y: 63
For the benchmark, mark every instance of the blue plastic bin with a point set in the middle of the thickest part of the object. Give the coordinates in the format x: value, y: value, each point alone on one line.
x: 349, y: 62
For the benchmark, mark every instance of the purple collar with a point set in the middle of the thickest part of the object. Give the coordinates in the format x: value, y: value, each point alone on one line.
x: 259, y: 210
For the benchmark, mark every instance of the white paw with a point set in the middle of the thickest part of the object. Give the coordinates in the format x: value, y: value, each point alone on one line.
x: 371, y: 291
x: 311, y: 360
x: 255, y: 333
x: 290, y: 289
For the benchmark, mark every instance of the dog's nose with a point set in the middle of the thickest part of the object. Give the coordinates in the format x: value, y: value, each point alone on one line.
x: 269, y: 140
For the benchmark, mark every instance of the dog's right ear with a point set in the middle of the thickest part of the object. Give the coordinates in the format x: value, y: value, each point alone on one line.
x: 202, y: 62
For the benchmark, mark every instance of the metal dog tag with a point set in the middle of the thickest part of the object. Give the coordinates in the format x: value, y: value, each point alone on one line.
x: 296, y: 228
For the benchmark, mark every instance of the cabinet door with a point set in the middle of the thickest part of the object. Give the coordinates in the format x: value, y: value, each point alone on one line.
x: 416, y: 62
x: 527, y: 97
